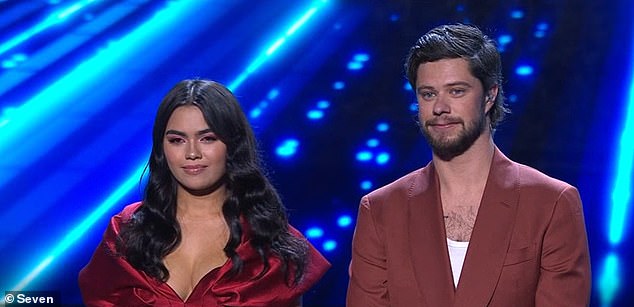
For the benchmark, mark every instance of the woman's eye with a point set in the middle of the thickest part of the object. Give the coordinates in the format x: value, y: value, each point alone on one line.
x: 209, y: 139
x: 175, y: 141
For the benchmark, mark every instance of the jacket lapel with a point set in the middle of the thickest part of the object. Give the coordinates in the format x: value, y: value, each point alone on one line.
x: 428, y: 243
x: 491, y: 234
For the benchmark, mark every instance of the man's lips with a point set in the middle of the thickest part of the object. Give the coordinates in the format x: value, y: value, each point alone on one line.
x: 442, y: 124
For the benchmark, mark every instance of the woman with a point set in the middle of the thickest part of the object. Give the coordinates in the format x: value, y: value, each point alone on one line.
x: 211, y: 230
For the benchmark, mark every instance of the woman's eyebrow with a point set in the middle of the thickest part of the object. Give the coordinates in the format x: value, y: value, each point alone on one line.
x: 180, y: 133
x: 171, y: 131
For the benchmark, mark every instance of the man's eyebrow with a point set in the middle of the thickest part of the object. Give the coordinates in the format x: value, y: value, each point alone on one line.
x: 424, y: 87
x: 458, y: 83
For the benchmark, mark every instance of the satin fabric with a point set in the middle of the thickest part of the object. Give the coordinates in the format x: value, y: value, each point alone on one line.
x: 109, y: 280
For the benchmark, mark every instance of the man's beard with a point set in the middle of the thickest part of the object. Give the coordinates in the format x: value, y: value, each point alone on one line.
x: 447, y: 148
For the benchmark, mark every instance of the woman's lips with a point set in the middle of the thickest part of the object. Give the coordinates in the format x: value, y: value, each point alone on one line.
x: 194, y: 169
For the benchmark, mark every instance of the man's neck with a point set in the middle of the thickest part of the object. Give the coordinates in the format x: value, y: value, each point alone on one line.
x: 468, y: 171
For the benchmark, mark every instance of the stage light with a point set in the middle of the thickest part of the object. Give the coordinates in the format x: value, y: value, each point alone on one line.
x: 524, y: 70
x: 541, y: 29
x: 76, y: 84
x: 323, y: 104
x: 255, y: 112
x: 543, y: 26
x: 81, y: 228
x: 19, y: 57
x: 517, y: 14
x: 6, y: 115
x: 504, y: 40
x: 361, y: 57
x: 288, y: 148
x: 273, y: 93
x: 382, y: 158
x: 353, y: 65
x: 372, y: 142
x: 357, y: 61
x: 339, y: 85
x: 366, y: 185
x: 8, y: 64
x: 383, y: 127
x: 621, y: 192
x: 315, y: 114
x: 329, y: 245
x: 413, y: 107
x: 364, y: 156
x: 269, y: 51
x: 314, y: 233
x: 344, y: 221
x: 609, y: 281
x: 407, y: 87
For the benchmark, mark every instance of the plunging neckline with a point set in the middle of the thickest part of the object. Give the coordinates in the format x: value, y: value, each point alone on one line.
x: 212, y: 273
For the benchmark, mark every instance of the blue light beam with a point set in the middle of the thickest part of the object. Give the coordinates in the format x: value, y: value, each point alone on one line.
x: 50, y: 21
x: 609, y: 281
x: 81, y: 229
x: 73, y: 86
x: 621, y: 192
x: 278, y: 43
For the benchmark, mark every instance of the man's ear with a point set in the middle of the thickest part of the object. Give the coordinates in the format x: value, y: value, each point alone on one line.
x: 489, y: 99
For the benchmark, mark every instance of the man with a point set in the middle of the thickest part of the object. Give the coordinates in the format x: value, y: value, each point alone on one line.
x: 472, y: 228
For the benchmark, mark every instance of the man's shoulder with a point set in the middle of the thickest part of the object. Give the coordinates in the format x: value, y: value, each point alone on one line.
x: 530, y: 175
x: 530, y: 178
x: 399, y: 188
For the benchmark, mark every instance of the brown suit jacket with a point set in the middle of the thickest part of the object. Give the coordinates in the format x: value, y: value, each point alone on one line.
x: 528, y: 246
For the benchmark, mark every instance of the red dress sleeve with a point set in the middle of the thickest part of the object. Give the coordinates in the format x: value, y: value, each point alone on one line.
x: 109, y: 280
x: 271, y: 289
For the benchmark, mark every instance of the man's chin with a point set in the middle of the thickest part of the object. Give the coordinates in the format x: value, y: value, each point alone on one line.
x: 449, y: 152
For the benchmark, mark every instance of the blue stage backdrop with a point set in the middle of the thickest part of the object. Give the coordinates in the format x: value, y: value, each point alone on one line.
x: 322, y: 83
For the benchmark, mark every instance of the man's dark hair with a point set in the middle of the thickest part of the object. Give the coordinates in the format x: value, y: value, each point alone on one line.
x: 469, y: 43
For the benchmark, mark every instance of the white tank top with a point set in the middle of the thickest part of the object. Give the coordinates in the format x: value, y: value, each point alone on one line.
x: 457, y: 253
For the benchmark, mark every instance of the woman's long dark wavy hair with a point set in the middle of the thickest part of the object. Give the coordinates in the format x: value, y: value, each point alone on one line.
x: 153, y: 231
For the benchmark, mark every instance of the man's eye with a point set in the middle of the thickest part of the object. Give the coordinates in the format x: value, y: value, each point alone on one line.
x: 457, y: 91
x: 427, y: 95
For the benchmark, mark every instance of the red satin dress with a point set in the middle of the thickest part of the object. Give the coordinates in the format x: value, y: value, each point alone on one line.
x: 109, y: 280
